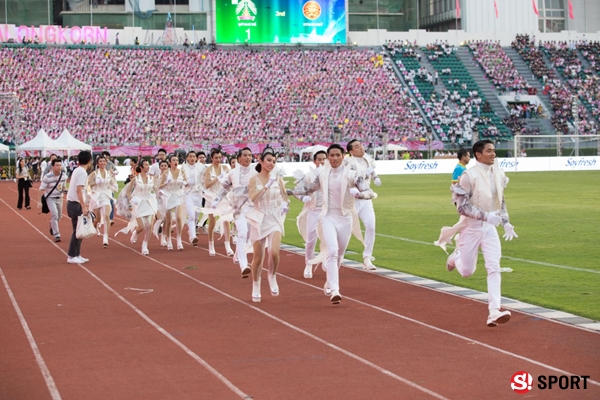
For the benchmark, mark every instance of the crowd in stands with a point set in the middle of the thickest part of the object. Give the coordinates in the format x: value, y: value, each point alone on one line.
x: 497, y: 66
x: 147, y: 96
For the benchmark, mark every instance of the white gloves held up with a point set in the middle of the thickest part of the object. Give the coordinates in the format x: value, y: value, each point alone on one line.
x: 377, y: 181
x: 509, y: 232
x: 272, y: 180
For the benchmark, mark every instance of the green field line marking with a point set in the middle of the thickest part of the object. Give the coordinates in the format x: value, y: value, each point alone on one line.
x: 505, y: 257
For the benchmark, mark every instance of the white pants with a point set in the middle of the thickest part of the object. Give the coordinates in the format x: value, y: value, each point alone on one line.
x: 337, y: 230
x: 242, y: 227
x: 481, y: 234
x: 312, y: 220
x: 193, y: 200
x: 55, y: 205
x: 364, y: 209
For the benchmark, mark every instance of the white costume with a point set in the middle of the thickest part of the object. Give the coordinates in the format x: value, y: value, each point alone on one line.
x: 193, y: 195
x: 338, y: 219
x: 236, y: 183
x: 308, y: 220
x: 173, y: 190
x: 102, y: 192
x: 480, y: 198
x: 364, y: 207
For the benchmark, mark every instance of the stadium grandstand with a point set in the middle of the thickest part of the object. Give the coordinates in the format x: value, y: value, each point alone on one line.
x: 427, y: 74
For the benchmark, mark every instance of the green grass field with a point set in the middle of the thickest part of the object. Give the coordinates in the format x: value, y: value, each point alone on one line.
x: 555, y: 260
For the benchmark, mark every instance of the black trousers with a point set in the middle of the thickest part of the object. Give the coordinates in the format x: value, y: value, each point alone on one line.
x: 23, y: 187
x: 74, y: 211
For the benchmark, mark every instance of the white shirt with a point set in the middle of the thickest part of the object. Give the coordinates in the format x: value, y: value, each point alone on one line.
x: 335, y: 191
x: 79, y: 178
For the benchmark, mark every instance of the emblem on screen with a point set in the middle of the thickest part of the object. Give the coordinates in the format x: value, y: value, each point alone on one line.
x: 311, y: 10
x: 246, y: 7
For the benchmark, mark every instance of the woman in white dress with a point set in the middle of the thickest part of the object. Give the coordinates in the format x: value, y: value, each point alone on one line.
x: 271, y: 204
x: 102, y: 184
x: 143, y: 203
x: 213, y: 173
x: 172, y: 183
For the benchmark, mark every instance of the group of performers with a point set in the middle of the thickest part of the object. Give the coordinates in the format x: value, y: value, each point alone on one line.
x: 336, y: 193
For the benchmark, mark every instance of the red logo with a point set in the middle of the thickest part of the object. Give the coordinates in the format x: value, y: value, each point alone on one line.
x: 521, y: 382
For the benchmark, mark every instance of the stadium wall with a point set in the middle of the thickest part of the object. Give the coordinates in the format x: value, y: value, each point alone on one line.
x: 446, y: 166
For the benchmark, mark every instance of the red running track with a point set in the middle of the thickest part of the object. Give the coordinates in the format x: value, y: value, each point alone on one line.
x: 84, y: 332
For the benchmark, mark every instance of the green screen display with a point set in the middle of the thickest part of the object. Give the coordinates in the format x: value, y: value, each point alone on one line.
x: 281, y: 21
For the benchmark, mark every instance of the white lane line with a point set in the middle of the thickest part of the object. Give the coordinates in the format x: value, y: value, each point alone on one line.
x: 36, y: 351
x: 456, y: 335
x: 545, y: 264
x: 189, y: 352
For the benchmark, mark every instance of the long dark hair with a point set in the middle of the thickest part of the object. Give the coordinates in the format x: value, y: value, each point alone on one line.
x: 19, y: 164
x: 265, y: 152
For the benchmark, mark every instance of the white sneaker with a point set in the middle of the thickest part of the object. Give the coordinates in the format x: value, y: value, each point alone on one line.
x: 308, y: 274
x: 228, y: 249
x: 326, y: 289
x: 451, y: 261
x: 273, y: 284
x: 246, y: 272
x: 73, y: 260
x: 256, y: 291
x: 211, y: 249
x: 368, y: 265
x: 83, y: 259
x: 195, y: 241
x: 336, y: 297
x: 497, y: 317
x: 163, y: 241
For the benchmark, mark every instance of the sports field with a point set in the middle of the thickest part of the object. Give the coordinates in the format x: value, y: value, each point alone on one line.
x: 555, y: 260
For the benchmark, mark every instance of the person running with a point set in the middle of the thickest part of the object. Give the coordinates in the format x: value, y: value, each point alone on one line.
x: 101, y: 185
x: 194, y: 173
x: 172, y: 183
x: 76, y: 204
x: 267, y: 192
x: 338, y: 219
x: 212, y: 176
x: 236, y: 184
x: 480, y: 198
x: 142, y: 197
x: 308, y: 218
x: 52, y: 187
x: 364, y: 207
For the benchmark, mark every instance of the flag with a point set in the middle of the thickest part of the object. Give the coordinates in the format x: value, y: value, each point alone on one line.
x: 535, y: 8
x: 496, y: 9
x: 571, y: 15
x: 457, y: 9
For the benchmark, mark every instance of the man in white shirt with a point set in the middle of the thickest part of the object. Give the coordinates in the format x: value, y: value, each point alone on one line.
x: 479, y: 196
x: 308, y: 219
x: 52, y: 187
x: 76, y: 204
x: 194, y: 173
x: 155, y: 168
x: 364, y: 207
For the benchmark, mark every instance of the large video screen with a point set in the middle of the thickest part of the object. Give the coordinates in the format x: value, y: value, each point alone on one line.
x: 281, y: 21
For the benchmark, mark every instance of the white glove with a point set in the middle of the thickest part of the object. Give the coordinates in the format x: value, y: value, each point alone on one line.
x: 284, y: 208
x: 272, y: 180
x: 306, y: 199
x: 509, y: 232
x: 354, y: 192
x: 214, y: 204
x: 377, y: 182
x: 493, y: 218
x: 98, y: 180
x: 369, y: 171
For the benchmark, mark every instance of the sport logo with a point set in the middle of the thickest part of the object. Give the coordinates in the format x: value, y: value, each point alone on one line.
x: 521, y: 382
x: 311, y: 10
x: 245, y: 7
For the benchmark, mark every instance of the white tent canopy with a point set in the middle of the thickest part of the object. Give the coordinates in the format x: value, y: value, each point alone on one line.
x: 68, y: 142
x: 3, y: 147
x: 391, y: 147
x: 41, y: 142
x: 313, y: 149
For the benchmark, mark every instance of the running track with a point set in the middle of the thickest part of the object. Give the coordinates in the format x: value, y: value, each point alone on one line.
x: 84, y: 332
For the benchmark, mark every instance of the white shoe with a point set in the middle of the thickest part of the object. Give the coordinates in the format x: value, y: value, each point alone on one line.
x: 211, y: 249
x: 336, y: 297
x: 246, y: 272
x: 145, y: 251
x: 497, y: 317
x: 163, y: 241
x: 308, y: 274
x: 134, y: 236
x: 195, y: 241
x: 169, y: 245
x: 105, y: 241
x: 368, y: 265
x: 326, y: 289
x: 256, y: 291
x: 228, y: 249
x: 451, y: 261
x: 73, y: 260
x: 273, y: 284
x: 235, y: 259
x: 179, y: 244
x: 83, y: 259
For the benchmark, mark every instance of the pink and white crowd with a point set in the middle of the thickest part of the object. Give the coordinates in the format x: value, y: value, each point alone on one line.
x: 112, y: 96
x: 497, y: 66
